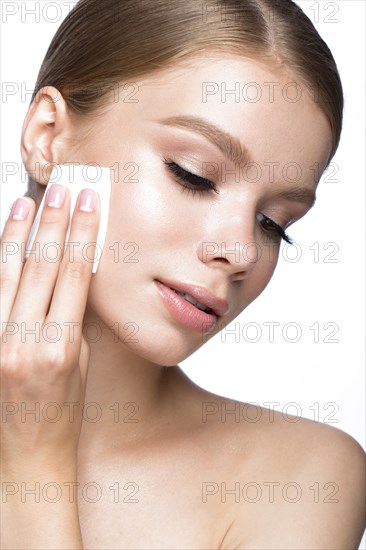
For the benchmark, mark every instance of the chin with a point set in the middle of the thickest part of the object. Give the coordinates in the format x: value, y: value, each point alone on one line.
x: 163, y: 343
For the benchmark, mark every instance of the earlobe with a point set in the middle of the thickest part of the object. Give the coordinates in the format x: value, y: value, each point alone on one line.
x: 46, y: 120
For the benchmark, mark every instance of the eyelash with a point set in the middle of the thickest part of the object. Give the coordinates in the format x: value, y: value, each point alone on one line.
x: 185, y: 178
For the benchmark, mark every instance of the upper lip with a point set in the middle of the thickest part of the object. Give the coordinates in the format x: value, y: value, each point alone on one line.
x: 219, y: 306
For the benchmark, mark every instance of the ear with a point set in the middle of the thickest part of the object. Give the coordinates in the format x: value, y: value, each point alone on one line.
x: 45, y: 134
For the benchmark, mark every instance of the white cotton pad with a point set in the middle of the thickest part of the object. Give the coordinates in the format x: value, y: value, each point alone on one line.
x: 77, y: 177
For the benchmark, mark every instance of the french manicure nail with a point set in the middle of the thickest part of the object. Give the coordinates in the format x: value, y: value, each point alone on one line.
x: 20, y: 210
x: 56, y: 195
x: 87, y: 200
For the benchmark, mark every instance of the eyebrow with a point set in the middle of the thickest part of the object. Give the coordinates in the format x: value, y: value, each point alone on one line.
x: 227, y: 144
x: 235, y: 151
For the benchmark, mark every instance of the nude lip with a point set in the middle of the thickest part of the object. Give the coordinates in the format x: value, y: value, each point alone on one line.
x: 184, y: 312
x: 218, y: 305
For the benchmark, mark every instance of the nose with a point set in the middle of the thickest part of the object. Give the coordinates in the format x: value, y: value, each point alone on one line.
x: 231, y: 245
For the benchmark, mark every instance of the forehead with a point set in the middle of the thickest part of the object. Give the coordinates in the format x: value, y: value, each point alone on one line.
x: 266, y: 107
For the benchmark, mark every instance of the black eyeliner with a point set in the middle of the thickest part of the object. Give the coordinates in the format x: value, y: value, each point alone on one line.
x: 193, y: 179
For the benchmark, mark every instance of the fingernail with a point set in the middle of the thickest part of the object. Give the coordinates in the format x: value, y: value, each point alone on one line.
x: 87, y: 200
x: 56, y: 195
x: 20, y: 210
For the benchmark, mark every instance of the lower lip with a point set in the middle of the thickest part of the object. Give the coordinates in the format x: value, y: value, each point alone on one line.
x: 184, y: 312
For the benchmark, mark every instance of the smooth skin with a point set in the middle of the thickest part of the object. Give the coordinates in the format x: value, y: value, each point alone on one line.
x: 161, y: 464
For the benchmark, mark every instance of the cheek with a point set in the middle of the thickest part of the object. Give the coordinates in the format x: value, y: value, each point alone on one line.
x: 149, y: 212
x: 267, y: 262
x: 260, y: 275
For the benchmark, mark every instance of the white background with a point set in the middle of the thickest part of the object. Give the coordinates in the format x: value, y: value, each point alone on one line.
x: 321, y: 380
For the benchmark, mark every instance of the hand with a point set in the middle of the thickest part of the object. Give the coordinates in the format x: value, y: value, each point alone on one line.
x: 44, y: 356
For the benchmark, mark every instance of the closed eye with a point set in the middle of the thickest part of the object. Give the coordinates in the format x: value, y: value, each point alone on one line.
x: 270, y: 226
x: 190, y: 182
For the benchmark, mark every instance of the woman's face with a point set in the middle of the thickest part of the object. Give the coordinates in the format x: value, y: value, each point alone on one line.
x: 159, y: 230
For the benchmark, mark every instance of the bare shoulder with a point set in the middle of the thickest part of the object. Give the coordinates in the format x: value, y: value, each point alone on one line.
x: 289, y: 482
x: 305, y: 479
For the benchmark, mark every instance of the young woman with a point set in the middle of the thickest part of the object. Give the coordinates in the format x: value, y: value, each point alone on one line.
x: 198, y: 190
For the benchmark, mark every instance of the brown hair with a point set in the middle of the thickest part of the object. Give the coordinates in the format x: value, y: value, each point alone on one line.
x: 101, y: 44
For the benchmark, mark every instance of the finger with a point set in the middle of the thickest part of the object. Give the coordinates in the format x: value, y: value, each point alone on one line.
x: 72, y: 286
x: 41, y: 268
x: 13, y: 241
